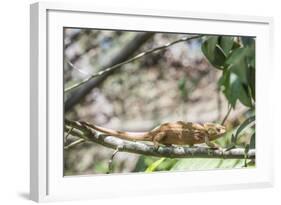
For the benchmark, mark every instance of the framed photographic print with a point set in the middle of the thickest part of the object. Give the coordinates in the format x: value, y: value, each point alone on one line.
x: 131, y: 97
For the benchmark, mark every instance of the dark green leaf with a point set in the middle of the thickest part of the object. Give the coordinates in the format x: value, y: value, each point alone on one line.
x: 141, y: 164
x: 248, y: 41
x: 241, y: 70
x: 237, y: 55
x: 238, y: 63
x: 253, y: 141
x: 233, y: 89
x: 213, y: 52
x: 247, y: 123
x: 233, y: 140
x: 245, y: 96
x: 252, y: 81
x: 226, y: 43
x: 209, y: 46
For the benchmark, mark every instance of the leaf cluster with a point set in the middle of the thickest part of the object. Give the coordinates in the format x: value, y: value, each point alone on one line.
x: 235, y: 57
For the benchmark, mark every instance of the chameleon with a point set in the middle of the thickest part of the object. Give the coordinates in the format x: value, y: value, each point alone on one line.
x: 171, y: 133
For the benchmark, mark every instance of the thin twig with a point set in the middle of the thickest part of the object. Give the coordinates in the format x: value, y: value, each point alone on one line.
x: 226, y: 116
x: 85, y: 132
x: 140, y: 55
x: 75, y: 68
x: 110, y: 162
x: 67, y: 134
x: 73, y: 144
x: 219, y: 103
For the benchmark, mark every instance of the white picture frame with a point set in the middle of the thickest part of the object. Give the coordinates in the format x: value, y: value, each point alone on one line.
x: 47, y: 182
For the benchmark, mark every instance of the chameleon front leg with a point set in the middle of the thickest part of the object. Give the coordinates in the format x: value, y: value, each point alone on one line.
x: 211, y: 144
x: 157, y: 139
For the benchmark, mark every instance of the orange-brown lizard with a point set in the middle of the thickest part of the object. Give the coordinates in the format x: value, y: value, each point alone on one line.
x: 177, y: 133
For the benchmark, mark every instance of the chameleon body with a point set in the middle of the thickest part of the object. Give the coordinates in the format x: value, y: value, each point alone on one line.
x: 175, y: 133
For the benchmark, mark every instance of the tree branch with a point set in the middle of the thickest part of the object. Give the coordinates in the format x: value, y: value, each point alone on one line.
x: 73, y: 144
x: 116, y: 63
x: 84, y: 132
x: 75, y: 95
x: 140, y: 55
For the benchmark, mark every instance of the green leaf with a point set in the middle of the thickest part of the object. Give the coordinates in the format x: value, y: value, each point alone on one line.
x: 248, y: 41
x: 253, y: 141
x: 234, y: 89
x: 247, y: 123
x: 141, y: 164
x: 233, y: 140
x: 245, y: 96
x: 252, y: 82
x: 238, y: 63
x: 209, y: 46
x: 226, y: 43
x: 182, y: 87
x: 207, y: 164
x: 236, y: 55
x: 213, y: 52
x: 154, y: 165
x: 236, y: 45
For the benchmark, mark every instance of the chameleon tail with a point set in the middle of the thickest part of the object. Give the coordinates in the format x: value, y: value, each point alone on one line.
x: 139, y: 136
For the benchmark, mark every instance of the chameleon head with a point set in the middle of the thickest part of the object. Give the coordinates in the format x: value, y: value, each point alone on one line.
x: 214, y: 130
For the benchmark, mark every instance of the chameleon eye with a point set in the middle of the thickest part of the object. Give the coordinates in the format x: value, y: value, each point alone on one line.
x: 211, y: 131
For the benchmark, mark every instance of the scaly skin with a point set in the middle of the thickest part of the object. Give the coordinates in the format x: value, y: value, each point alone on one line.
x: 177, y: 133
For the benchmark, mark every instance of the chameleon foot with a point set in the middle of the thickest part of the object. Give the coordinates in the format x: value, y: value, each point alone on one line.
x: 156, y: 148
x: 211, y: 151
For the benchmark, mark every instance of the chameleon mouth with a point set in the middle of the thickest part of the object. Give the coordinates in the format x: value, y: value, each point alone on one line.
x: 222, y: 131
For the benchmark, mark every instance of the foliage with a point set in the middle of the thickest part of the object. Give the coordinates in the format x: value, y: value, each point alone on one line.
x: 207, y: 164
x: 150, y: 164
x: 234, y: 57
x: 237, y: 61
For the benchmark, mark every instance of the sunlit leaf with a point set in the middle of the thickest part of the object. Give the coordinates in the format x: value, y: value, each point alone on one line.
x: 207, y: 164
x: 154, y: 165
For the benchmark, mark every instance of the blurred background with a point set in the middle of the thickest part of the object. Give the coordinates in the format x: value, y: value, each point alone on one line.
x: 176, y: 83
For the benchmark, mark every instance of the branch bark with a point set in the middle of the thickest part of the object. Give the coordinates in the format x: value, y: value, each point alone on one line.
x: 87, y: 133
